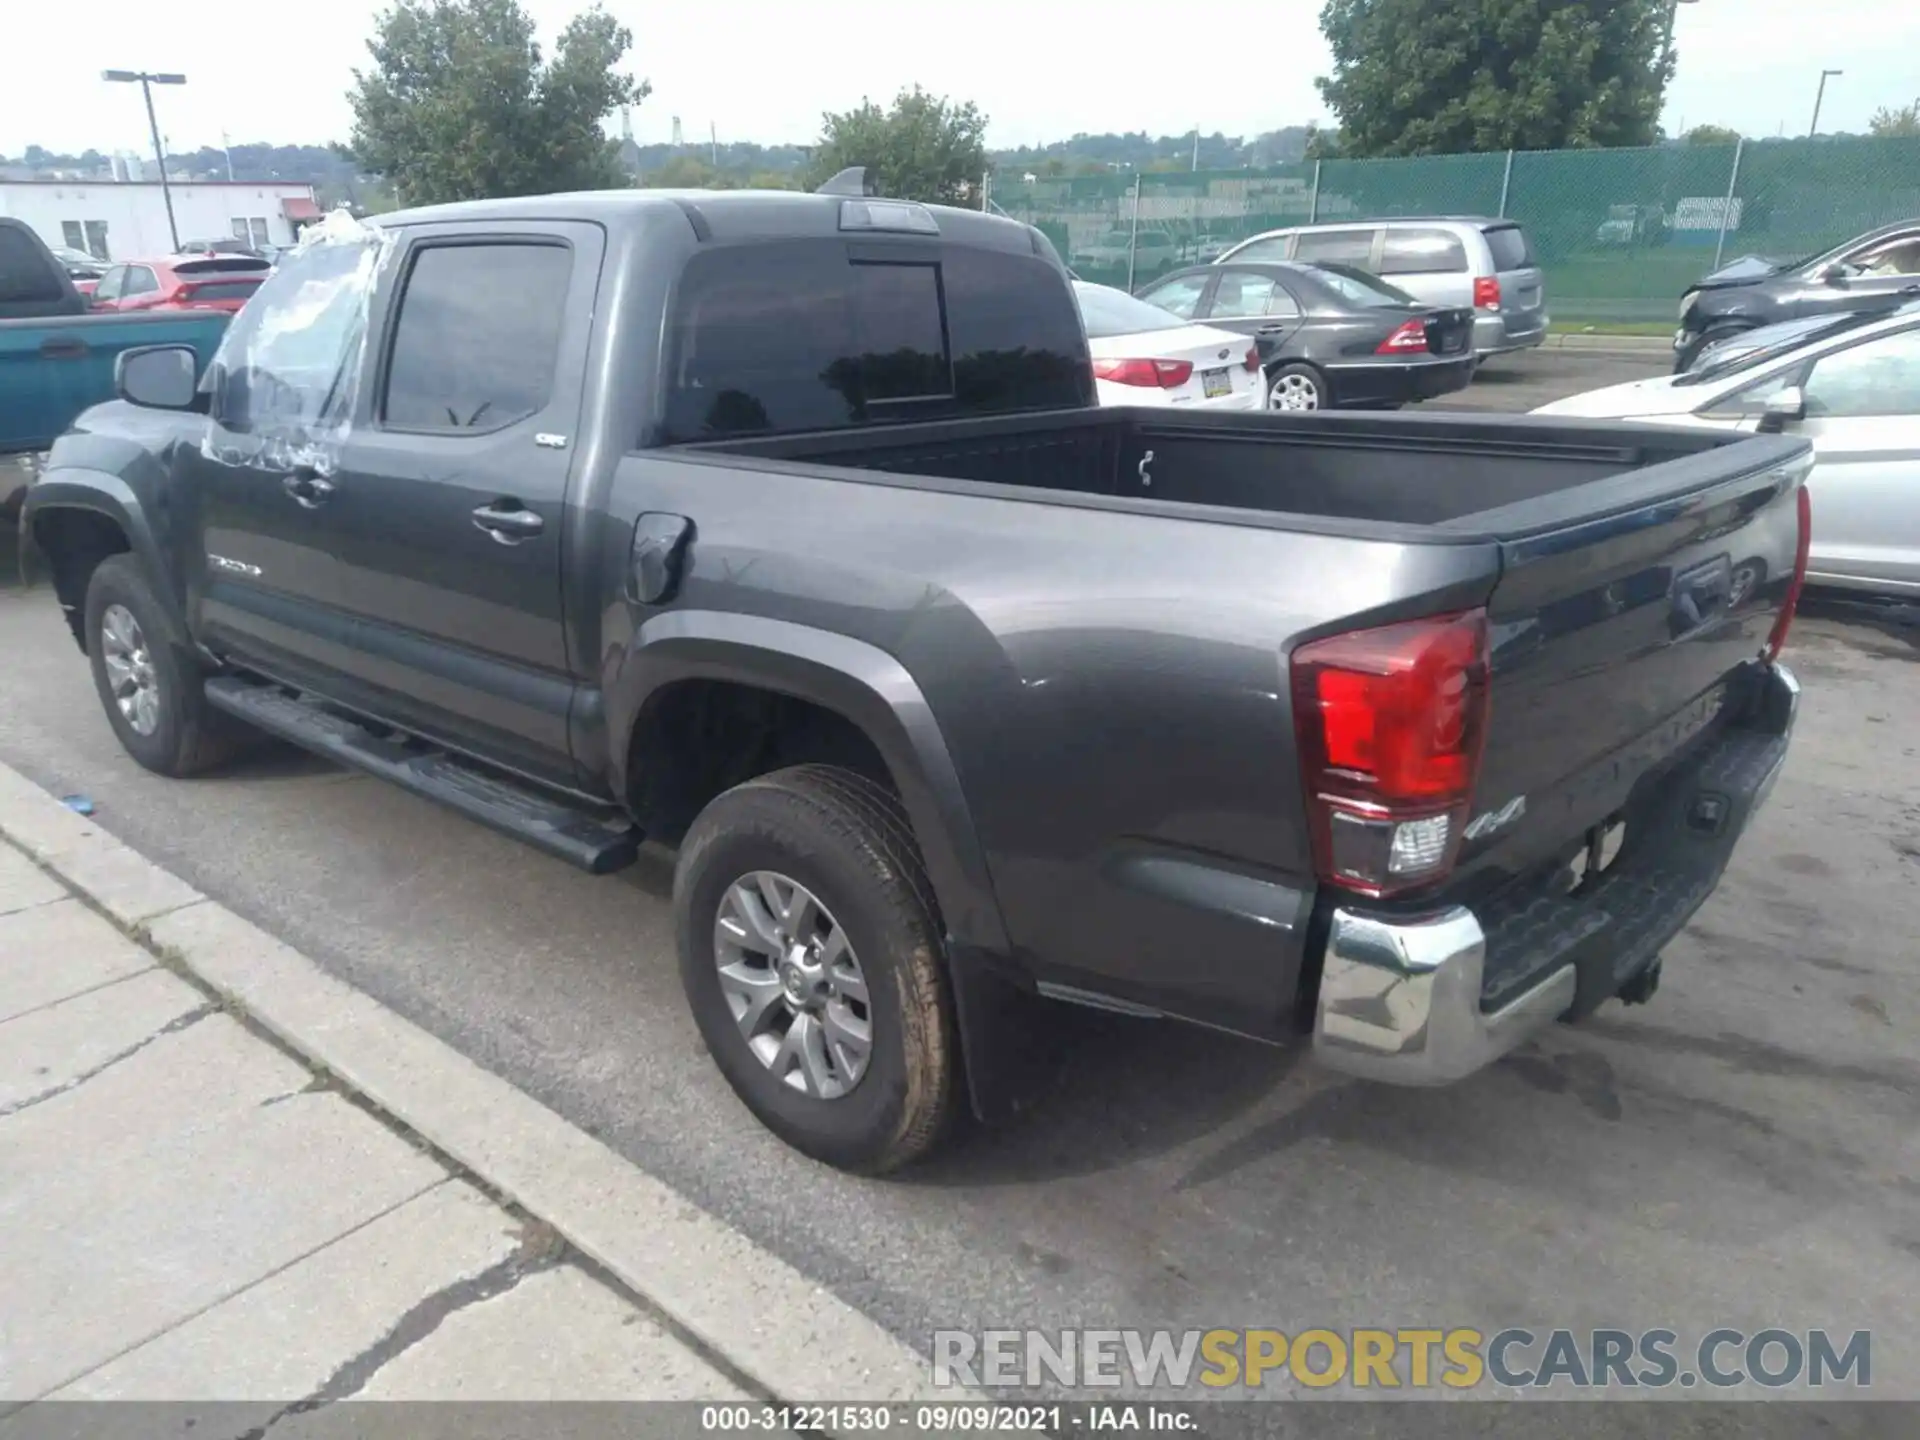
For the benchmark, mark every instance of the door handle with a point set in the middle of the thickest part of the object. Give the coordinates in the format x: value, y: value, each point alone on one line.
x: 309, y: 488
x: 508, y: 522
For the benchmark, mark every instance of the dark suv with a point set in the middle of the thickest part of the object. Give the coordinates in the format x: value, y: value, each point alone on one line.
x: 1876, y: 271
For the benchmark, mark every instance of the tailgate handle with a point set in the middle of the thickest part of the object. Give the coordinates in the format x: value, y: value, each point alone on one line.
x: 63, y: 347
x: 1700, y: 595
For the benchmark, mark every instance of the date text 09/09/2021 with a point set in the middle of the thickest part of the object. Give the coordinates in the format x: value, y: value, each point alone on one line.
x: 981, y: 1418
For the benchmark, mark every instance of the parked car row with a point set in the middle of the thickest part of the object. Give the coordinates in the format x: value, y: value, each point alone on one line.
x: 1349, y: 314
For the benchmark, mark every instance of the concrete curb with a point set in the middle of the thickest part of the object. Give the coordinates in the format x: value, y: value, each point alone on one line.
x: 1635, y: 345
x: 793, y: 1338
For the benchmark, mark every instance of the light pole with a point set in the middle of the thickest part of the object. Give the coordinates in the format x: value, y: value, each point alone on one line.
x: 146, y: 83
x: 1819, y: 97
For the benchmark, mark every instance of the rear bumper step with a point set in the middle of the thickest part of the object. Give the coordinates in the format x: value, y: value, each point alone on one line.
x: 1420, y: 1002
x: 578, y: 836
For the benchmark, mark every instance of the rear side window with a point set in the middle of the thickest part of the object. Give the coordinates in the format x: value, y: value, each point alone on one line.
x: 1256, y: 252
x: 1422, y: 252
x: 27, y: 275
x: 225, y: 289
x: 1511, y: 248
x: 231, y: 265
x: 816, y: 335
x: 1343, y: 247
x: 477, y: 337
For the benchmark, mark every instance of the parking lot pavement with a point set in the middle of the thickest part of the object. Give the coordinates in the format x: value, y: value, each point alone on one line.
x: 1743, y: 1152
x: 1532, y: 378
x: 192, y: 1214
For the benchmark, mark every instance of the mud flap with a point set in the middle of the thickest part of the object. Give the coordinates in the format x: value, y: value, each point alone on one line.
x: 1007, y: 1047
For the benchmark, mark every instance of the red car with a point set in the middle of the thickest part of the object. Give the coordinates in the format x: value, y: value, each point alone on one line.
x: 181, y: 282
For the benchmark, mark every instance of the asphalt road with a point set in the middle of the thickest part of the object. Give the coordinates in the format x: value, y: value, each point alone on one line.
x: 1535, y: 377
x: 1743, y: 1152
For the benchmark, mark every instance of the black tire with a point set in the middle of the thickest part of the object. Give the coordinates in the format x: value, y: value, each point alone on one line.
x: 1301, y: 373
x: 188, y: 736
x: 1701, y: 341
x: 847, y: 841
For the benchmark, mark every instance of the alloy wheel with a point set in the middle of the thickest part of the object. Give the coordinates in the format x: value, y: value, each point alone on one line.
x: 793, y: 984
x: 1294, y: 392
x: 130, y: 672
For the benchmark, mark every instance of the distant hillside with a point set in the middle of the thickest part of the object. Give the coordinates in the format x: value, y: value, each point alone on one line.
x: 736, y: 162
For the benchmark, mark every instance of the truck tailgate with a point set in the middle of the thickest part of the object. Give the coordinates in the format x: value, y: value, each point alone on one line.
x: 1619, y: 641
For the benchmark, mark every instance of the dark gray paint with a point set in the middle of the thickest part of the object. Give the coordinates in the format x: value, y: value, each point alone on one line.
x: 1338, y: 338
x: 1079, y: 689
x: 1752, y: 292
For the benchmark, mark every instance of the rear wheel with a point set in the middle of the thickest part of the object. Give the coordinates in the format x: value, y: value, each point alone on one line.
x: 1297, y: 387
x: 810, y: 954
x: 151, y: 688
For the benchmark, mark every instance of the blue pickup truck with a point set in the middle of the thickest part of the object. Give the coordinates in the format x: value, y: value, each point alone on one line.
x: 56, y: 360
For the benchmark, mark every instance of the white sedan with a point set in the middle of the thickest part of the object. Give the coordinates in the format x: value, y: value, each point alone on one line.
x: 1851, y: 388
x: 1143, y: 355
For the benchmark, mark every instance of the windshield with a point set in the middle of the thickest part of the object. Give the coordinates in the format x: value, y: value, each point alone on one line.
x: 1106, y: 312
x: 1357, y: 287
x: 1770, y: 342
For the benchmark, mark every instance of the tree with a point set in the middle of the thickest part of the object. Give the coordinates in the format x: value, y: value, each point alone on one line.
x: 1902, y: 121
x: 1321, y: 144
x: 690, y: 172
x: 1711, y: 135
x: 925, y: 148
x: 1411, y: 77
x: 460, y: 103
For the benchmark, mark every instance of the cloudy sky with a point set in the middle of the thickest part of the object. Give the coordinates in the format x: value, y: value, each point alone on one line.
x: 765, y: 69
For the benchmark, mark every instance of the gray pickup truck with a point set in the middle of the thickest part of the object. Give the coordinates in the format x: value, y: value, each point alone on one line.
x: 784, y: 529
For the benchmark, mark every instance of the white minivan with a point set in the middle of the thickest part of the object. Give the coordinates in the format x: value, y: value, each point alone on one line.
x: 1452, y: 260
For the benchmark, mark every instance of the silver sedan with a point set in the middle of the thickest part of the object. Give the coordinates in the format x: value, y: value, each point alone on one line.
x: 1854, y: 391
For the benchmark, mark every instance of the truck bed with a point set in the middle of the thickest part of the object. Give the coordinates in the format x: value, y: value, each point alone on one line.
x: 1462, y: 476
x: 1631, y: 575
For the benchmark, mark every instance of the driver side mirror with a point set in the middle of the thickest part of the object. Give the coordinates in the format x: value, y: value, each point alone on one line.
x: 1835, y: 274
x: 1783, y: 408
x: 159, y: 377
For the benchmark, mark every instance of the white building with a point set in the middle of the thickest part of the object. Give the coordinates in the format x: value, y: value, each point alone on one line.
x: 127, y: 220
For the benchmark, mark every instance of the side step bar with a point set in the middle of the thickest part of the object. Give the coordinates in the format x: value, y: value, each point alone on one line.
x: 579, y: 836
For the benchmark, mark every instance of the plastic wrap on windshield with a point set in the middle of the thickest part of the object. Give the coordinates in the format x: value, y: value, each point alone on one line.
x: 286, y: 378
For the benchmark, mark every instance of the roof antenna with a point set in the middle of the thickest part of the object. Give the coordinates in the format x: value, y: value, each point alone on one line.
x: 850, y: 181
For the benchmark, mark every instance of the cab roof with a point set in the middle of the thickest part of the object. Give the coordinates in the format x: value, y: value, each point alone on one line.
x: 720, y: 215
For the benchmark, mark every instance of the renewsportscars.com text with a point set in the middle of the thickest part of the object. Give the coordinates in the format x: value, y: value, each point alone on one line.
x: 1417, y: 1359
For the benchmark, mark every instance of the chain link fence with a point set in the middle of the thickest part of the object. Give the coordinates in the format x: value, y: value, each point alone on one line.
x: 1620, y: 233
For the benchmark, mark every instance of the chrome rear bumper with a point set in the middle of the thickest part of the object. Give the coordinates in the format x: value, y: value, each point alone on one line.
x: 1401, y: 1001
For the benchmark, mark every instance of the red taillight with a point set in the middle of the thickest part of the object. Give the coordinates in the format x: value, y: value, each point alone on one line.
x: 1252, y: 362
x: 1408, y: 338
x: 1390, y: 724
x: 1165, y: 374
x: 1486, y: 292
x: 1777, y: 641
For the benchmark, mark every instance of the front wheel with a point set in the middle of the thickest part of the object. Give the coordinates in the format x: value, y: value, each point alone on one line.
x: 1297, y: 387
x: 810, y: 954
x: 150, y: 687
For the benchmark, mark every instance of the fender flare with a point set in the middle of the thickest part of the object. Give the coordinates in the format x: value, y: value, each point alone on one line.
x: 112, y: 498
x: 857, y: 680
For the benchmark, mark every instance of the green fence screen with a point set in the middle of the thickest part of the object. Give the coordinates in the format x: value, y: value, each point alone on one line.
x: 1620, y: 233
